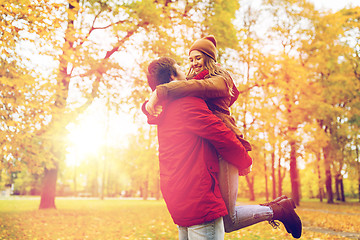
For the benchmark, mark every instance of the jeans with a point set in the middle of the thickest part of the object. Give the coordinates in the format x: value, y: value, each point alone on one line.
x: 238, y: 216
x: 213, y: 230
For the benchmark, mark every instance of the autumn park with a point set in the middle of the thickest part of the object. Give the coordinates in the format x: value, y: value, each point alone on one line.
x: 78, y: 159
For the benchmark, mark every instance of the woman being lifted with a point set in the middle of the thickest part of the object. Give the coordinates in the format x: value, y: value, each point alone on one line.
x: 209, y: 81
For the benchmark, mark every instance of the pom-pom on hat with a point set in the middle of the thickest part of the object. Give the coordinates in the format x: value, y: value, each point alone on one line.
x: 206, y: 45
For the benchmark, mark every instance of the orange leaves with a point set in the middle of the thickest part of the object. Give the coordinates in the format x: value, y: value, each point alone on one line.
x: 87, y: 219
x: 22, y: 15
x: 136, y: 219
x: 337, y: 221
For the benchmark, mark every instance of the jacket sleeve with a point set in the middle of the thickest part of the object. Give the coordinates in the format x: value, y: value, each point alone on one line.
x: 213, y: 87
x: 201, y: 121
x: 149, y: 117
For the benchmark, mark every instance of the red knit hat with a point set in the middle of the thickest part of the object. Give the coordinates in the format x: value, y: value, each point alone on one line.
x: 206, y: 45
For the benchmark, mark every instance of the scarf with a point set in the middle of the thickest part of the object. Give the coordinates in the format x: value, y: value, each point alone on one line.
x: 201, y: 75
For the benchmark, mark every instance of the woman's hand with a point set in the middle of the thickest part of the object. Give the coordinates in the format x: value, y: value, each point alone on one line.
x: 152, y: 107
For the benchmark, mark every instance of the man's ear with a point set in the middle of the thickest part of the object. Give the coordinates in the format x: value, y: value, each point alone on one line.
x: 172, y: 77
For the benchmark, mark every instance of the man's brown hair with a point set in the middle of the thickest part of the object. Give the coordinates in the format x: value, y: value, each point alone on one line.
x: 160, y: 71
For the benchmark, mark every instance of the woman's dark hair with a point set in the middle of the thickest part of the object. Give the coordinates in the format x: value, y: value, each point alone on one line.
x: 160, y: 71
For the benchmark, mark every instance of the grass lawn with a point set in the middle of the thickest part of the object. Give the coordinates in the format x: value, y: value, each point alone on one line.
x: 137, y: 219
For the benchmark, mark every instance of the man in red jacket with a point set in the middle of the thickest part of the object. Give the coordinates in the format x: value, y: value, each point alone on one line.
x: 190, y: 139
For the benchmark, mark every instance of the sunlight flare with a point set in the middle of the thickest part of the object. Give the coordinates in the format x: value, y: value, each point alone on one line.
x: 94, y: 131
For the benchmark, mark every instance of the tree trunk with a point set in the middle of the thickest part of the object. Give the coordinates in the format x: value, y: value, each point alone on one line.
x: 106, y: 154
x: 95, y: 185
x: 266, y: 180
x: 49, y: 189
x: 329, y: 192
x: 158, y: 191
x: 342, y: 191
x: 250, y: 182
x: 319, y: 176
x: 48, y: 192
x: 281, y: 177
x: 74, y: 179
x: 145, y: 193
x: 341, y: 188
x: 359, y: 188
x: 294, y: 175
x: 57, y: 126
x: 358, y: 167
x: 337, y: 186
x: 273, y: 175
x: 103, y: 179
x: 328, y: 184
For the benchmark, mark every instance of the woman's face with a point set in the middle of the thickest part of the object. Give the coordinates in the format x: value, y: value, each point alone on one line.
x: 196, y: 61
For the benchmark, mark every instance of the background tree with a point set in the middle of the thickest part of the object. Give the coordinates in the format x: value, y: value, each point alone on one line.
x: 23, y: 92
x: 330, y: 73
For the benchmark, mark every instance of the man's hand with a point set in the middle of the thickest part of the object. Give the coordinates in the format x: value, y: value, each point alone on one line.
x: 245, y: 171
x: 151, y: 106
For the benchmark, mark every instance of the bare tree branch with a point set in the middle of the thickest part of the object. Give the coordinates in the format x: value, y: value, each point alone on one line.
x: 100, y: 28
x: 100, y: 73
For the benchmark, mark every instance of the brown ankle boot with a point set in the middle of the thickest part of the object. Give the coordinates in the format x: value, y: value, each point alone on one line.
x: 283, y: 211
x: 278, y: 199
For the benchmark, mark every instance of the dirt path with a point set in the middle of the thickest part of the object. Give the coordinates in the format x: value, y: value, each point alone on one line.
x: 308, y: 226
x: 332, y: 232
x: 350, y: 235
x: 329, y: 212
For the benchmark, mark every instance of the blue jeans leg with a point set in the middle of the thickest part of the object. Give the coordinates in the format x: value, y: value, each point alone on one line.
x: 239, y: 216
x: 213, y: 230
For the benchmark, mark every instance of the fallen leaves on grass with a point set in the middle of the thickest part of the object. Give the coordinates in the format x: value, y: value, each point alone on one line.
x: 136, y: 219
x: 343, y: 217
x: 90, y: 219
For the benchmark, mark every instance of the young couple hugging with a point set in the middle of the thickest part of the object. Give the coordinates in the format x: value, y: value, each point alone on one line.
x: 201, y: 150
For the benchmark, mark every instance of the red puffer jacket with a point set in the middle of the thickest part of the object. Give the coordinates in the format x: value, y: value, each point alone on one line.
x: 189, y: 136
